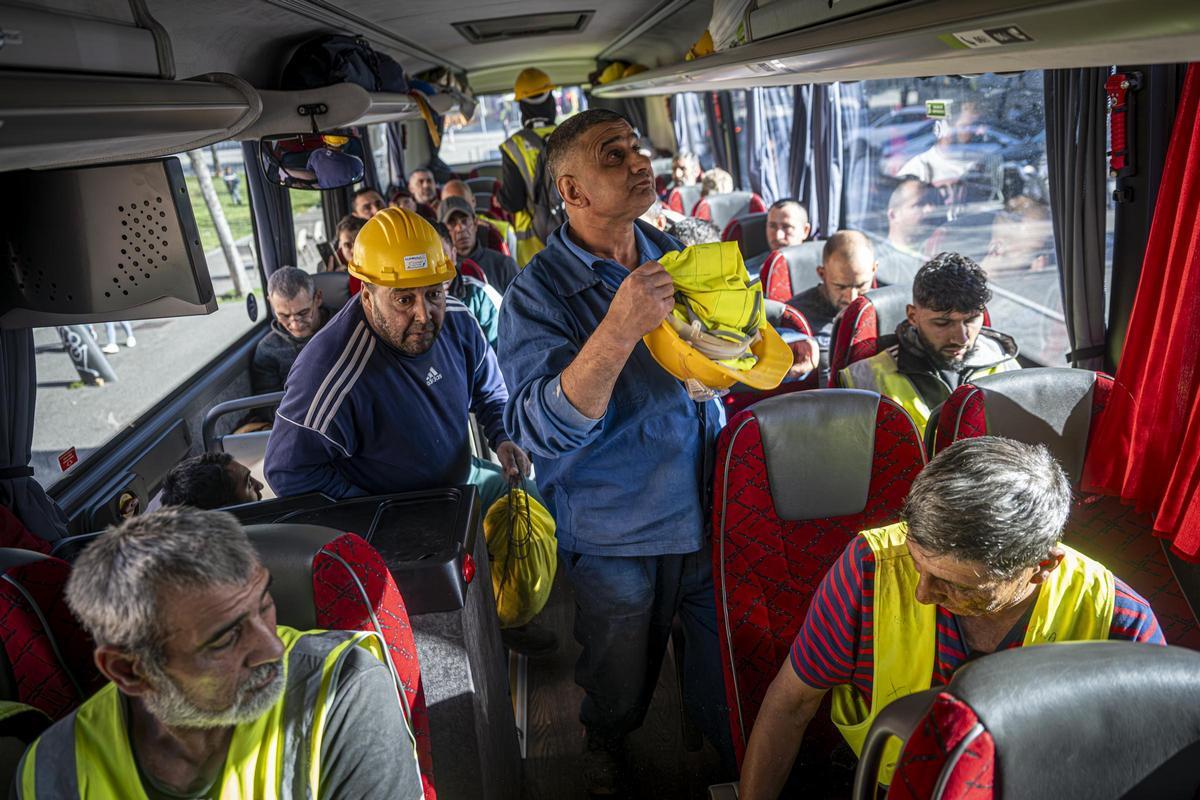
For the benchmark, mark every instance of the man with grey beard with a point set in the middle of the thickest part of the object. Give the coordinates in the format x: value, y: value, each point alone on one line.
x: 200, y: 703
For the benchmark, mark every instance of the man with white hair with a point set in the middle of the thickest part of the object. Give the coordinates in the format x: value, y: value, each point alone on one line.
x: 208, y: 696
x: 976, y: 566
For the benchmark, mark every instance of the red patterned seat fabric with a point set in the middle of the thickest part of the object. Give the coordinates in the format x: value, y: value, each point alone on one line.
x: 766, y: 568
x: 776, y: 278
x: 790, y: 319
x: 339, y: 606
x: 1116, y: 535
x: 42, y: 680
x: 930, y: 747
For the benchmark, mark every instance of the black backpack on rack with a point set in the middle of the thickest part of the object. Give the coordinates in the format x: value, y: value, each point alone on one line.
x: 335, y: 58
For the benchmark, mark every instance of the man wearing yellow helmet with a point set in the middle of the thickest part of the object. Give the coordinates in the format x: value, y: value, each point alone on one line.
x: 378, y: 401
x: 525, y: 192
x: 623, y: 453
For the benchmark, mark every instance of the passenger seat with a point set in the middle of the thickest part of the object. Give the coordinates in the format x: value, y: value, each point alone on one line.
x: 787, y: 272
x: 750, y: 232
x: 46, y: 661
x: 325, y: 578
x: 1073, y: 720
x: 784, y: 318
x: 683, y: 199
x: 796, y: 478
x: 867, y: 326
x: 1062, y: 409
x: 720, y: 209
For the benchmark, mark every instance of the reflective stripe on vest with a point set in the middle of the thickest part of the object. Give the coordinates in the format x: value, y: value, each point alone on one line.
x: 879, y: 373
x: 524, y: 147
x: 1074, y: 604
x: 276, y: 757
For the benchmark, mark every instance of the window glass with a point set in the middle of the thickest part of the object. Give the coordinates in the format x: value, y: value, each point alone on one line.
x: 308, y: 226
x: 959, y: 164
x: 377, y: 141
x: 150, y: 357
x: 497, y: 117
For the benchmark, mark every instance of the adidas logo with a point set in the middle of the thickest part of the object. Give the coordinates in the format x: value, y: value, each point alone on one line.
x: 432, y: 377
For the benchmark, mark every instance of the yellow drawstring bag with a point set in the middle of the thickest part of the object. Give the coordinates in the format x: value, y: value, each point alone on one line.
x: 523, y: 553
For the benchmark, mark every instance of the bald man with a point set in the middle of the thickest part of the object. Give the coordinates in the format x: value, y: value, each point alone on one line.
x: 847, y: 270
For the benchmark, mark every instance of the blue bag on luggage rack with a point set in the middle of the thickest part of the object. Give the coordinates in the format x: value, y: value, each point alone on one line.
x: 335, y: 58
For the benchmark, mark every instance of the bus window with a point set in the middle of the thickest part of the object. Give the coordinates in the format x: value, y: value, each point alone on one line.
x: 692, y: 131
x: 148, y: 357
x: 377, y: 142
x: 496, y: 118
x: 959, y: 164
x: 308, y: 225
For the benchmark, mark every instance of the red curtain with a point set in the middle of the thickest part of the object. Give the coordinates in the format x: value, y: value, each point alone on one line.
x: 1148, y: 451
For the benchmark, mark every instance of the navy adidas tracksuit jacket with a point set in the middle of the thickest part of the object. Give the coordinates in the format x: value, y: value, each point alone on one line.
x: 359, y: 417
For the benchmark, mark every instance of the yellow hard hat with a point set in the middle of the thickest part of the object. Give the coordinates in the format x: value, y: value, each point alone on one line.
x: 634, y: 69
x: 684, y: 361
x: 531, y: 83
x: 335, y: 140
x: 613, y: 72
x: 400, y: 250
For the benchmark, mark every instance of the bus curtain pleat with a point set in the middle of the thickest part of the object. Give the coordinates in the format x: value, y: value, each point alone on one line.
x: 822, y: 164
x: 769, y: 123
x: 1075, y: 148
x: 20, y: 493
x: 1147, y: 446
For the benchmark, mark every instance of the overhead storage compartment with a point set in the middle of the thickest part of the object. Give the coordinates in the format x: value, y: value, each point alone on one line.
x: 54, y: 120
x: 940, y: 37
x: 43, y: 39
x: 345, y: 104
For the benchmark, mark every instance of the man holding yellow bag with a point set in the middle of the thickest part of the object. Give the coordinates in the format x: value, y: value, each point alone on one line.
x: 623, y: 453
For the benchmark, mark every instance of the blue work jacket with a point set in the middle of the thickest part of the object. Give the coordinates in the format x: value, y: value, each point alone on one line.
x: 636, y: 481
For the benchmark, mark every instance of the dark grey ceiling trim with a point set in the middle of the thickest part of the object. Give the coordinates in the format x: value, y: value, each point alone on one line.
x: 331, y: 15
x: 648, y: 21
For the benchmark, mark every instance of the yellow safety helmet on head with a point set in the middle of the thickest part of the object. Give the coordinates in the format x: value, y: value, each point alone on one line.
x: 399, y: 249
x: 531, y: 83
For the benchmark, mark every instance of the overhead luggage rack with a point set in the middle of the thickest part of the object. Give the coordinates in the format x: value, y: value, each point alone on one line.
x: 940, y: 37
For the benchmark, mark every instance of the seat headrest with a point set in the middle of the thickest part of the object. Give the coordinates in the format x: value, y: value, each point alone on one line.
x: 334, y: 288
x: 819, y: 446
x: 724, y: 207
x: 483, y: 201
x: 11, y: 557
x: 891, y: 305
x: 803, y: 260
x: 1101, y: 716
x: 688, y: 196
x: 287, y: 551
x: 1050, y: 405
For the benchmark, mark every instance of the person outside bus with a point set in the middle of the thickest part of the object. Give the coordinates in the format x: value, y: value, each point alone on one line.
x: 910, y: 208
x: 379, y: 401
x: 522, y: 194
x: 941, y: 345
x: 623, y: 453
x: 976, y: 566
x: 199, y: 702
x: 846, y: 271
x: 233, y: 184
x: 459, y: 218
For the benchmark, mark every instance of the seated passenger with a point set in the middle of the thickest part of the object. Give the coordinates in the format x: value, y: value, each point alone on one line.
x: 846, y: 271
x: 401, y: 197
x: 296, y: 305
x: 977, y: 566
x: 685, y: 171
x: 690, y: 231
x: 344, y: 236
x: 208, y: 481
x: 909, y: 212
x: 459, y: 188
x: 379, y: 401
x: 480, y: 299
x: 787, y: 224
x: 200, y: 703
x: 459, y: 217
x: 366, y: 203
x: 423, y: 187
x: 942, y: 344
x: 716, y: 181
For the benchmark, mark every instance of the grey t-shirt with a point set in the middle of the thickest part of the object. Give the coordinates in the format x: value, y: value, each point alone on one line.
x: 366, y: 750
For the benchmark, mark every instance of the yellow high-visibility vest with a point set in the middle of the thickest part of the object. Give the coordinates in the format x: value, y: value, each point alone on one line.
x: 879, y: 373
x: 1074, y: 604
x: 276, y: 757
x: 524, y: 152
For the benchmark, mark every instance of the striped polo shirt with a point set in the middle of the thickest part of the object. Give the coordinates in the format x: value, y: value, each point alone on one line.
x: 834, y: 646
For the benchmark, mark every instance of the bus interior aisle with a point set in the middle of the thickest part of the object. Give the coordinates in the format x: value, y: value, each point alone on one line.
x: 662, y: 759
